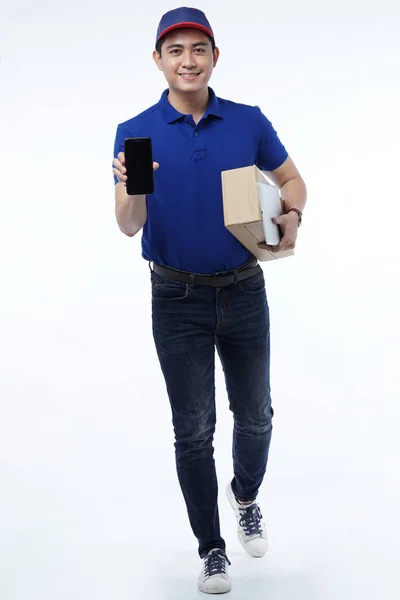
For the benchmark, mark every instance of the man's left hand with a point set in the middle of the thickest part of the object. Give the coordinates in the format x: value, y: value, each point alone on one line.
x: 289, y: 224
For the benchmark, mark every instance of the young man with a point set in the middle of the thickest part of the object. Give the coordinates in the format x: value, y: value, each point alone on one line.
x: 208, y: 291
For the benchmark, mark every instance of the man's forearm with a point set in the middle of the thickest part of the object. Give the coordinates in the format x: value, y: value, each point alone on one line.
x: 131, y: 214
x: 294, y: 193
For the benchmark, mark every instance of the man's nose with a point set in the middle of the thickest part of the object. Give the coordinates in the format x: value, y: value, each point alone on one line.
x: 188, y: 59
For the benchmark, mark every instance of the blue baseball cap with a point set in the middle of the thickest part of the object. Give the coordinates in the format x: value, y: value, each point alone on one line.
x: 183, y: 17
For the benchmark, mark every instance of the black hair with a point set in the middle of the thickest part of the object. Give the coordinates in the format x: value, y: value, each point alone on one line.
x: 162, y: 40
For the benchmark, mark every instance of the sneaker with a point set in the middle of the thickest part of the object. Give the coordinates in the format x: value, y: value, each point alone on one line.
x: 214, y: 578
x: 252, y: 533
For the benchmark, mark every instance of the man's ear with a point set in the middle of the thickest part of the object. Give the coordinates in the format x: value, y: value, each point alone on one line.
x: 157, y: 59
x: 216, y: 56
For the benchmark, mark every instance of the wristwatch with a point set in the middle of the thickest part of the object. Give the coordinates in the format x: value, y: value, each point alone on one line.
x: 296, y: 210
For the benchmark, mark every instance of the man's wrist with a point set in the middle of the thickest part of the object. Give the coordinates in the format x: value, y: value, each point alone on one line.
x: 297, y: 211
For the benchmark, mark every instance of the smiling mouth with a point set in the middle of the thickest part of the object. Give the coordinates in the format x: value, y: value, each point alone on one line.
x: 188, y: 75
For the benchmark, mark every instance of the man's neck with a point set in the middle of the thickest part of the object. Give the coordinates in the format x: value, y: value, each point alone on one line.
x: 188, y: 104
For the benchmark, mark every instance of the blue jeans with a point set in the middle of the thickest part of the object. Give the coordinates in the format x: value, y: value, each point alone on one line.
x: 189, y: 322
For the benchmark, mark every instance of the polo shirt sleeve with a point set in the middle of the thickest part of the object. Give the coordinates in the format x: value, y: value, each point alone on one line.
x: 119, y: 144
x: 271, y: 153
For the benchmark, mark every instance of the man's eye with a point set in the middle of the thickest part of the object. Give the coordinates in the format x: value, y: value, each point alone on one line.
x: 176, y: 50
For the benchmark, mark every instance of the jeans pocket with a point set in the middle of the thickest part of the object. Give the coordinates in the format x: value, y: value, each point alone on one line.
x: 254, y: 284
x: 167, y: 289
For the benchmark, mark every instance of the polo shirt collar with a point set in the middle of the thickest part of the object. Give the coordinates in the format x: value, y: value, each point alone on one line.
x: 171, y: 114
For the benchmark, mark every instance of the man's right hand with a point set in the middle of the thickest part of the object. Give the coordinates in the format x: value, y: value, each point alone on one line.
x: 120, y: 170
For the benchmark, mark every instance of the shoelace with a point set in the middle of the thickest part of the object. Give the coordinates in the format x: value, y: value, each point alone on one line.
x: 251, y: 520
x: 215, y: 563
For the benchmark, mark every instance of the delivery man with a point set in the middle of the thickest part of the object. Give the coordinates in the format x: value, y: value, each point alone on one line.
x: 208, y: 291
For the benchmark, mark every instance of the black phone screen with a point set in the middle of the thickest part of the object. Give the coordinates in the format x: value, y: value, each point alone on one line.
x: 139, y: 166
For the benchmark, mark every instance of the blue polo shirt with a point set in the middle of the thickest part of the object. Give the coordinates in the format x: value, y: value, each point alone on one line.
x: 185, y: 221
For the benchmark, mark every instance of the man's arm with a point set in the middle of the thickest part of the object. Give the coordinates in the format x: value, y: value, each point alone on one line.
x: 130, y: 211
x: 291, y: 185
x: 293, y: 192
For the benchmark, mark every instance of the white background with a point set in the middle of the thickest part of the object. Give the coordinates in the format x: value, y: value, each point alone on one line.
x: 90, y: 506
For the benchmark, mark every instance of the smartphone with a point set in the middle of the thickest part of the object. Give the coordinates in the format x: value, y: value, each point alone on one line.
x: 139, y: 166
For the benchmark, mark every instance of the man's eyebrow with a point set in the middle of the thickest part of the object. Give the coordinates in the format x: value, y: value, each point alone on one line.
x: 181, y: 45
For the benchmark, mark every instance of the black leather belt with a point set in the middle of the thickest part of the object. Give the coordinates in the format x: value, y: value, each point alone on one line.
x: 247, y: 270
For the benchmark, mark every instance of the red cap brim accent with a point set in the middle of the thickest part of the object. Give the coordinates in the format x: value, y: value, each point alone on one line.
x: 189, y: 26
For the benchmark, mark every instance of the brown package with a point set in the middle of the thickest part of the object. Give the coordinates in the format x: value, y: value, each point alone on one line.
x: 242, y: 212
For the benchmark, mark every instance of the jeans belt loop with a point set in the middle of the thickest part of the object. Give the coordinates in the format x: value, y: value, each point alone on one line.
x: 193, y: 278
x: 235, y: 276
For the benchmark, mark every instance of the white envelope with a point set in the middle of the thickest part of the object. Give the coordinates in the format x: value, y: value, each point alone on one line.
x: 271, y: 206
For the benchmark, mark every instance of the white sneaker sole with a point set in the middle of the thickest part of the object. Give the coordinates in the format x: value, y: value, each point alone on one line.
x: 219, y: 587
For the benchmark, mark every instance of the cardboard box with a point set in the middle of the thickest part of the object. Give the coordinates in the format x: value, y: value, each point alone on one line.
x: 242, y: 211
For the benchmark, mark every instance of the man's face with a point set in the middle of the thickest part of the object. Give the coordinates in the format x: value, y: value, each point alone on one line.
x: 187, y: 60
